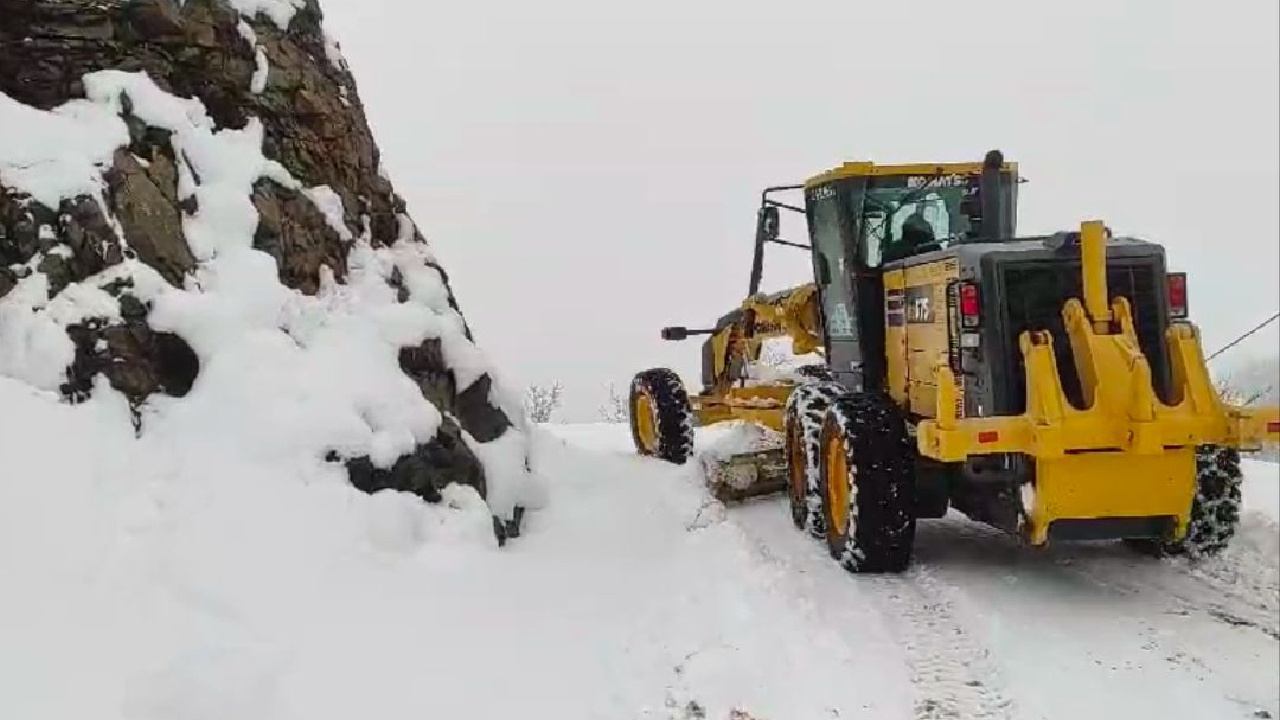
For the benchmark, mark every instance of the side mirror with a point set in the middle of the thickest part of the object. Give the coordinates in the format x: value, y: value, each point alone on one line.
x: 766, y: 231
x: 675, y: 333
x: 769, y: 223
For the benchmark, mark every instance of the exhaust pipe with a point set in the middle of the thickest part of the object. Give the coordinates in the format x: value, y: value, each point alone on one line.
x: 989, y: 192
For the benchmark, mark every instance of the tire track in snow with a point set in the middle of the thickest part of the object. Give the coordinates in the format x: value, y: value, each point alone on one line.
x: 948, y: 665
x: 951, y: 668
x: 1118, y: 613
x: 1212, y: 590
x: 1241, y: 587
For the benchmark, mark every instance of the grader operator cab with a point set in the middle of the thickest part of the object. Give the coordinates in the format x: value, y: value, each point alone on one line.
x: 1050, y: 386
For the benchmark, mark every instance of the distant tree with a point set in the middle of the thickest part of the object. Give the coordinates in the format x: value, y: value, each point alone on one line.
x: 1254, y: 382
x: 614, y: 409
x: 541, y: 401
x: 1229, y: 391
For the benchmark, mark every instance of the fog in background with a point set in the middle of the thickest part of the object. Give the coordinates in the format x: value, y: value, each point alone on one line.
x: 589, y: 171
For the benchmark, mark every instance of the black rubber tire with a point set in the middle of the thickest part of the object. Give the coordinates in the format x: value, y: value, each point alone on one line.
x: 879, y: 535
x: 1215, y: 511
x: 806, y: 411
x: 673, y: 419
x: 816, y: 373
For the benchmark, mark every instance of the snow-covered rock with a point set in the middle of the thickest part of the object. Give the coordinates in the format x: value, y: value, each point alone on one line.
x: 193, y: 219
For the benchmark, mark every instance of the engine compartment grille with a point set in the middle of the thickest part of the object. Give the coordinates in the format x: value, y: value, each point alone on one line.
x: 1033, y: 294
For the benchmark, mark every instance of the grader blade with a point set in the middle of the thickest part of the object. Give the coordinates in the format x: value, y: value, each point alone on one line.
x: 746, y: 475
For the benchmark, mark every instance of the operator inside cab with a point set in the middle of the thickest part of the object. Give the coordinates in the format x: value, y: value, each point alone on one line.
x: 917, y: 236
x: 917, y: 232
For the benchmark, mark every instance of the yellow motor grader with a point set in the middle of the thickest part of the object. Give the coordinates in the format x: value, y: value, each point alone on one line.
x: 1050, y: 386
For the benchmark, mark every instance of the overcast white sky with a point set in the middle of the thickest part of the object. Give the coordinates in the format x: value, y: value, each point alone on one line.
x: 588, y: 171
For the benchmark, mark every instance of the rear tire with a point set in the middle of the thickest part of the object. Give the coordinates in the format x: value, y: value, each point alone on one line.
x: 866, y: 448
x: 1215, y: 511
x: 661, y: 416
x: 806, y: 410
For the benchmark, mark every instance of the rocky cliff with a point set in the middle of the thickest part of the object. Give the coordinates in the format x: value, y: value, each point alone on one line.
x: 190, y: 190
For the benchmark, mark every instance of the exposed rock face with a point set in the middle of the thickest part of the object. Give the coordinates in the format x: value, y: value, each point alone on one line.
x: 313, y: 125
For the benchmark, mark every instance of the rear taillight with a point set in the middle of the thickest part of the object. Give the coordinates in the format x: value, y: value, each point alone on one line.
x: 1177, y: 295
x: 970, y: 307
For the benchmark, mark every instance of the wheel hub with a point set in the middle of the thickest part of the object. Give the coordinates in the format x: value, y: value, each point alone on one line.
x: 837, y: 484
x: 646, y: 424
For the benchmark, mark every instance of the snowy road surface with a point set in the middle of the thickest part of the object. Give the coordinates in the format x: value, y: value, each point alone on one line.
x: 211, y: 588
x: 981, y: 627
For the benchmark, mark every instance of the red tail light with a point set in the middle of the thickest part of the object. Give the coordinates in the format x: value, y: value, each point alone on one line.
x: 970, y: 307
x: 1178, y: 295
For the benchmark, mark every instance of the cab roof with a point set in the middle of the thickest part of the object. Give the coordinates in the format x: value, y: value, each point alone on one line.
x: 870, y: 169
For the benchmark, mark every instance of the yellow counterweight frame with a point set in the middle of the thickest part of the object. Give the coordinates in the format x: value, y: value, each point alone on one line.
x: 1126, y: 453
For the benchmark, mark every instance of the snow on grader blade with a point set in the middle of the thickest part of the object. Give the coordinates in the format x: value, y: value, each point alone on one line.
x: 748, y: 475
x: 749, y: 461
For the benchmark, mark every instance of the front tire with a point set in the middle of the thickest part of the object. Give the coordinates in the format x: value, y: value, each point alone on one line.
x: 661, y: 416
x: 868, y: 498
x: 816, y: 373
x: 806, y: 410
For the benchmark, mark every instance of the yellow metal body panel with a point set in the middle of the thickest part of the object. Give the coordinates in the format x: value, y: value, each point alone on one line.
x: 1106, y: 485
x: 791, y: 314
x: 720, y: 343
x: 870, y: 169
x: 1126, y: 453
x: 770, y: 418
x: 926, y: 330
x: 762, y: 404
x: 1125, y: 415
x: 895, y: 334
x: 1093, y: 251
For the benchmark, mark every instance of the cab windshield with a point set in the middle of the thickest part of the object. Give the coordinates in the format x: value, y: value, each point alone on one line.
x: 908, y: 215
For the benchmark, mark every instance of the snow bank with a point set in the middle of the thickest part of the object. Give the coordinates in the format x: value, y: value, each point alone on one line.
x: 169, y: 577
